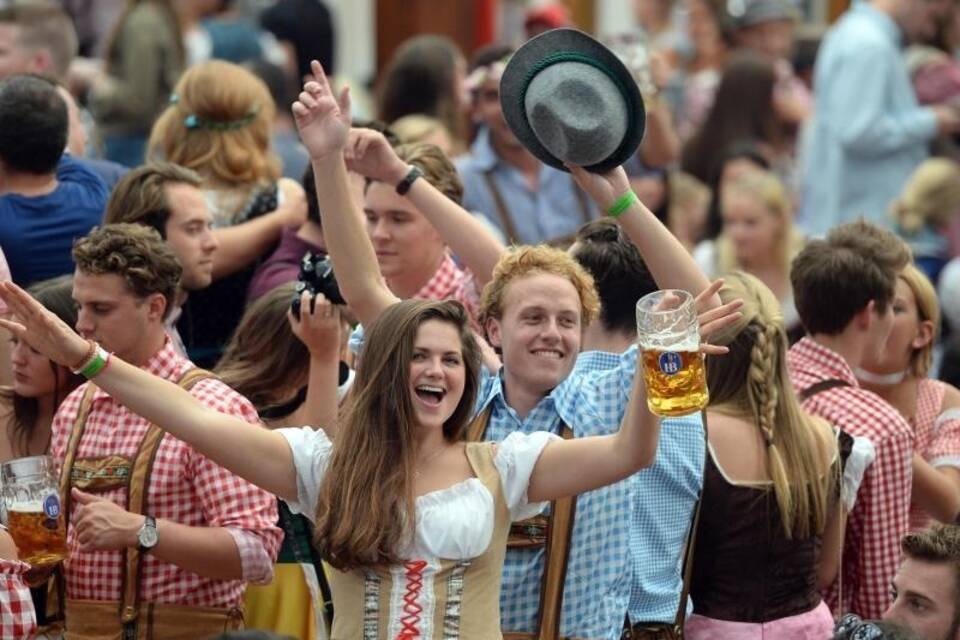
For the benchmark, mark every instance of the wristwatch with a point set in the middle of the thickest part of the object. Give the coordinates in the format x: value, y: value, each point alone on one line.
x: 147, y: 537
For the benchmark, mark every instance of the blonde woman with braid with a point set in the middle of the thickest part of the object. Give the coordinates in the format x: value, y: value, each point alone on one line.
x: 771, y: 521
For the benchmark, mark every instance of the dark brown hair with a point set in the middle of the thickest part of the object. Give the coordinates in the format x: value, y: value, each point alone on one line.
x: 134, y: 252
x: 140, y: 197
x: 619, y: 272
x: 420, y: 79
x: 833, y: 279
x: 365, y: 511
x: 939, y: 544
x: 742, y: 110
x: 55, y: 295
x: 264, y: 361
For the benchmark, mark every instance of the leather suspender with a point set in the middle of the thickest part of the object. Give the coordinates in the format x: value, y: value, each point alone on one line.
x: 819, y: 387
x: 138, y: 484
x: 559, y: 529
x: 137, y: 493
x: 506, y: 218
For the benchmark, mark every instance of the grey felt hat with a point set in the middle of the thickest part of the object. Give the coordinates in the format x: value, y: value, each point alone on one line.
x: 568, y: 98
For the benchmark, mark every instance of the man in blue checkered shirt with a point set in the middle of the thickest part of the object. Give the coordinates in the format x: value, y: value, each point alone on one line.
x: 530, y: 314
x: 663, y: 496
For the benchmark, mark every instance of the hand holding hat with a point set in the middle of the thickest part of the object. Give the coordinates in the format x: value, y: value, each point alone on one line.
x: 570, y: 100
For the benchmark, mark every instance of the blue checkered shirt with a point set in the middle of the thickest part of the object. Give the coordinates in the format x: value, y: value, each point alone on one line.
x: 591, y: 401
x: 664, y: 497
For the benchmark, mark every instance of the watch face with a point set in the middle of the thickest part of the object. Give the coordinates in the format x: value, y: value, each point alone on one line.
x: 147, y: 537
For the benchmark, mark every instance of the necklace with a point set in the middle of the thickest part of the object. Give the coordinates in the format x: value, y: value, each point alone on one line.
x: 416, y: 472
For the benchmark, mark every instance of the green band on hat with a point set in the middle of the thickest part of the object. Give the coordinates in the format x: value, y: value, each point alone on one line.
x: 573, y: 56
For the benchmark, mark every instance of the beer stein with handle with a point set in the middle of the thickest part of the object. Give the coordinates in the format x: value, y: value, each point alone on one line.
x: 673, y: 367
x: 35, y: 517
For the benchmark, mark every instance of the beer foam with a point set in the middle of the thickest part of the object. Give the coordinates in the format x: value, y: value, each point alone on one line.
x: 25, y: 506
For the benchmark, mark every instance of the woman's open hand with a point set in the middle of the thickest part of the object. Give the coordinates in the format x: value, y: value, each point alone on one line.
x: 322, y: 118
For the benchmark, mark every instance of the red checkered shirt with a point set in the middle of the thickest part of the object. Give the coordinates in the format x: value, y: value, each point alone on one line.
x: 880, y: 517
x: 185, y: 487
x: 936, y: 437
x: 17, y: 618
x: 450, y: 282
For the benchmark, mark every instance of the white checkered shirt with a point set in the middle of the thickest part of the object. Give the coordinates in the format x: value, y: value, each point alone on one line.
x: 17, y: 618
x: 185, y: 487
x: 591, y: 401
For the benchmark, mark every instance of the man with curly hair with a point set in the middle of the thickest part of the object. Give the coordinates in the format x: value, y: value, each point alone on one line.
x: 157, y: 532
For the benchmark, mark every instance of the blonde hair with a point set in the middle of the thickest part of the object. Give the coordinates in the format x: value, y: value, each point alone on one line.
x: 752, y: 382
x: 417, y: 127
x: 218, y: 123
x: 523, y: 261
x: 930, y: 197
x: 686, y: 193
x: 928, y: 308
x: 768, y: 190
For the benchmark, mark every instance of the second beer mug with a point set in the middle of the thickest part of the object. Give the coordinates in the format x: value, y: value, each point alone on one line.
x: 34, y: 514
x: 673, y: 368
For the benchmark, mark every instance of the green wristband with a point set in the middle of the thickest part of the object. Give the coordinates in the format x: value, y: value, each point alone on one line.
x: 622, y: 204
x: 97, y: 363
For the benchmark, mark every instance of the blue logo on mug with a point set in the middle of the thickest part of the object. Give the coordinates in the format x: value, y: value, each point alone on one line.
x: 51, y: 506
x: 670, y: 362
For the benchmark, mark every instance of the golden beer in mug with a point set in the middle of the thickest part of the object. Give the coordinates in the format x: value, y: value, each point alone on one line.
x: 34, y: 514
x: 40, y: 539
x: 673, y: 367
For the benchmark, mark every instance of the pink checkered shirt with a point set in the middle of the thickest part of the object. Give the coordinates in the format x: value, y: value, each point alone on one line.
x: 880, y: 517
x: 17, y: 618
x: 936, y: 437
x: 450, y: 282
x: 185, y: 487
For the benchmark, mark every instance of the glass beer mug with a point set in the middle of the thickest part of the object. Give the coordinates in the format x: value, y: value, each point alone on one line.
x: 673, y: 368
x: 35, y: 519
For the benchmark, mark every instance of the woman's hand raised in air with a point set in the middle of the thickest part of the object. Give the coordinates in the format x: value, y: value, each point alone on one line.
x: 322, y: 118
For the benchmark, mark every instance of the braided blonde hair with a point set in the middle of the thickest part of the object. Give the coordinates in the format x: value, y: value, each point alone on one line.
x: 752, y: 382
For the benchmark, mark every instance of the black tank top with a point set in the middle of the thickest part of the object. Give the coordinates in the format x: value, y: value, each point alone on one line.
x: 745, y: 569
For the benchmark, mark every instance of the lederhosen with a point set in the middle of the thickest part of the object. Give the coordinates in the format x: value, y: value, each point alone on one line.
x: 552, y: 533
x: 131, y: 618
x: 662, y: 630
x: 506, y: 217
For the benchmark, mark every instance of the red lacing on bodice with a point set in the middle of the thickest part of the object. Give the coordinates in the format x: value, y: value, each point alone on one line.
x: 411, y: 606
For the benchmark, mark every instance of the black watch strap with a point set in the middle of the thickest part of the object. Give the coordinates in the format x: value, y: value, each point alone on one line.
x: 408, y: 180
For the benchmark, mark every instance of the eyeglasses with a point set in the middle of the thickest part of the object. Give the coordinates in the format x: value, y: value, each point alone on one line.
x: 856, y: 629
